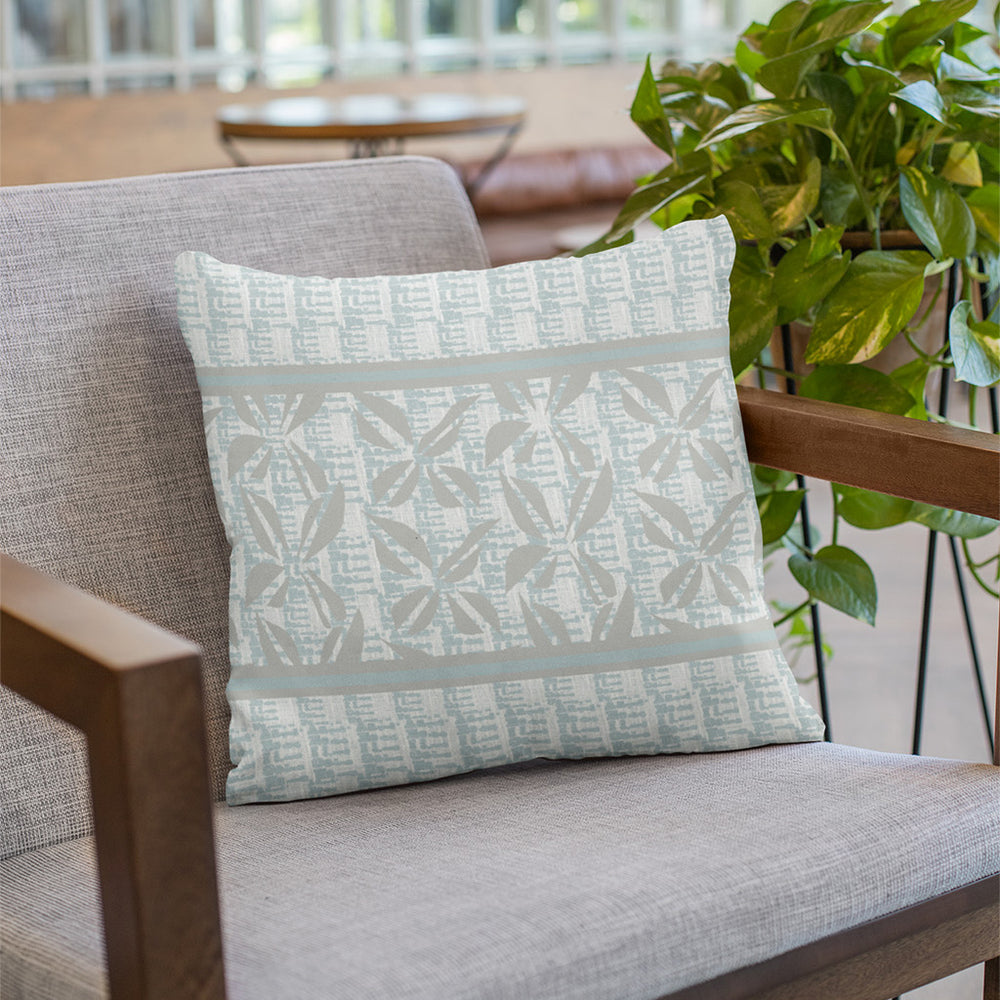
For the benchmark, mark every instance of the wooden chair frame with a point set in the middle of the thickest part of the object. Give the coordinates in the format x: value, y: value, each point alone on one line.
x: 135, y: 691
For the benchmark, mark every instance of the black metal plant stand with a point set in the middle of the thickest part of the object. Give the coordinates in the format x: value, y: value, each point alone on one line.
x: 954, y: 278
x: 817, y: 635
x: 953, y: 283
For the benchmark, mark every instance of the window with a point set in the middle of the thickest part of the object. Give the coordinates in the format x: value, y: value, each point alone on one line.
x: 53, y: 32
x: 137, y: 27
x: 53, y: 46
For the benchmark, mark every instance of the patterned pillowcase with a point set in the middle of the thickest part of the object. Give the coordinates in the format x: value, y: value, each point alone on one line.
x: 481, y: 517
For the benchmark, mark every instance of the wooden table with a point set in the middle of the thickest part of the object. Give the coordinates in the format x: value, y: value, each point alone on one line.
x: 374, y: 124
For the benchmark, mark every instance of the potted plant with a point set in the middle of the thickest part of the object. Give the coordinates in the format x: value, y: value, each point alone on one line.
x: 855, y: 154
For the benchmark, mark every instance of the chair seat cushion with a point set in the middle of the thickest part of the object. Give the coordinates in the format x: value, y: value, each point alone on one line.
x: 571, y: 879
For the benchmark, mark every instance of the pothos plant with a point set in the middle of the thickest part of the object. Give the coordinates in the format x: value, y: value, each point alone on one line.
x: 833, y: 127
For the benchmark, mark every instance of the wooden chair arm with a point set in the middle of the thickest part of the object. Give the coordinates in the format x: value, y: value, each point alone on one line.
x: 933, y: 463
x: 135, y: 691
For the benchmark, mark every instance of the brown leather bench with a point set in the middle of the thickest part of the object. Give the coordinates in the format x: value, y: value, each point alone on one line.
x: 529, y: 197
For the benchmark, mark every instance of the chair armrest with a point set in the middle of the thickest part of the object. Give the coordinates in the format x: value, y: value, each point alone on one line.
x: 135, y: 691
x: 933, y: 463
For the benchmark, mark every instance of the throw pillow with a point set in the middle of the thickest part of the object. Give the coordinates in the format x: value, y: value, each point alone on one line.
x: 486, y: 516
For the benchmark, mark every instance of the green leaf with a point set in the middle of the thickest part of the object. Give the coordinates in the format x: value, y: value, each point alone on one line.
x: 752, y: 309
x: 694, y: 109
x: 775, y: 38
x: 991, y: 267
x: 741, y: 204
x: 962, y: 165
x: 984, y: 203
x: 603, y: 242
x: 650, y: 198
x: 854, y: 385
x: 975, y: 346
x: 782, y: 75
x: 823, y: 28
x: 806, y: 111
x: 749, y: 59
x: 952, y: 522
x: 788, y: 205
x: 768, y: 480
x: 678, y: 210
x: 802, y: 278
x: 976, y: 46
x: 922, y: 61
x: 937, y: 214
x: 823, y: 242
x: 871, y: 511
x: 913, y: 378
x: 839, y: 577
x: 836, y: 19
x: 834, y: 91
x: 647, y: 112
x: 777, y: 513
x: 839, y: 202
x: 921, y: 24
x: 923, y: 96
x: 964, y: 35
x: 975, y: 99
x: 871, y: 75
x: 794, y: 539
x: 725, y: 82
x: 874, y: 301
x: 950, y: 68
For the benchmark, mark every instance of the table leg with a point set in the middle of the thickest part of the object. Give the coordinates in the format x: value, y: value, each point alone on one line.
x: 387, y: 146
x: 473, y: 184
x: 237, y: 157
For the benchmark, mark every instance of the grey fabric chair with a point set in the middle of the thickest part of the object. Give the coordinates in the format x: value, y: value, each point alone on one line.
x: 797, y: 871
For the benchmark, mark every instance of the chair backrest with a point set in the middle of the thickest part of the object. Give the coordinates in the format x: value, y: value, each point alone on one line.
x: 103, y: 480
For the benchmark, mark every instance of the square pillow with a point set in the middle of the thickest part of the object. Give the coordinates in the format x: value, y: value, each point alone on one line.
x: 484, y: 516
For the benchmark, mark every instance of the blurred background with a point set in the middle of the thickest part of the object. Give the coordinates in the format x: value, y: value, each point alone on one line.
x: 72, y: 72
x: 55, y: 47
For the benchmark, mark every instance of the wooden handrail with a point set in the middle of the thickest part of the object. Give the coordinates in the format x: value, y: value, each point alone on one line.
x: 933, y: 463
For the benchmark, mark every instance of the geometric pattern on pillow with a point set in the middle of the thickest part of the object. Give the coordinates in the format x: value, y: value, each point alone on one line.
x: 484, y: 516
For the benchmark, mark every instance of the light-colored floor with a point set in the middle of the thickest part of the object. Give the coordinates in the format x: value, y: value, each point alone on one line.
x: 871, y: 676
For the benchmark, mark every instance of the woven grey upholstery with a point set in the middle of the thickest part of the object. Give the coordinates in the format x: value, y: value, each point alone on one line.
x: 569, y: 880
x: 103, y: 477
